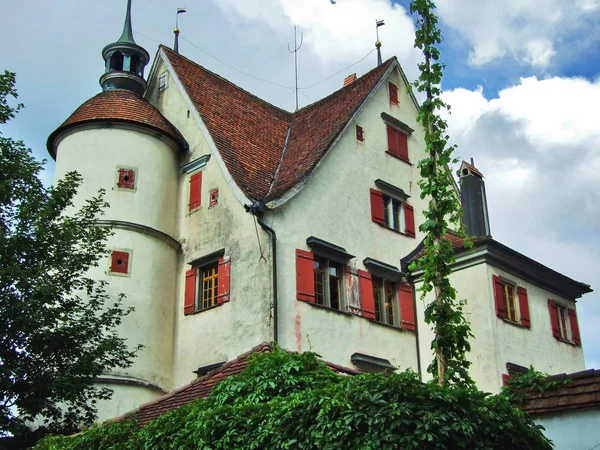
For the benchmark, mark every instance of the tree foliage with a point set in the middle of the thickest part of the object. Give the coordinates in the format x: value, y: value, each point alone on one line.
x: 452, y: 331
x: 291, y: 401
x: 57, y: 326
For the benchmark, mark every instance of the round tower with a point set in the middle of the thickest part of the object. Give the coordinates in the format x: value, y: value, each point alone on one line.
x: 119, y: 142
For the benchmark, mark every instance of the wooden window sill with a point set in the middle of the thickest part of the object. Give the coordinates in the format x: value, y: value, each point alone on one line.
x: 396, y: 231
x: 198, y: 311
x: 399, y: 157
x: 513, y: 323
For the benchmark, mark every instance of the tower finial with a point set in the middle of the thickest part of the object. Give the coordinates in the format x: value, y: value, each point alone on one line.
x: 125, y: 61
x: 176, y: 29
x: 127, y: 35
x: 378, y: 23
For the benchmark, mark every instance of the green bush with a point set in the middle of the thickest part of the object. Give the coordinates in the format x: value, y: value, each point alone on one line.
x: 294, y: 401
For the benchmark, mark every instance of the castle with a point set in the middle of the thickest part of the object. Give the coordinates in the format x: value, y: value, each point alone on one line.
x: 237, y: 222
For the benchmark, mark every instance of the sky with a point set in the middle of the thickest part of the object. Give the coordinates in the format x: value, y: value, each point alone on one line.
x: 522, y: 78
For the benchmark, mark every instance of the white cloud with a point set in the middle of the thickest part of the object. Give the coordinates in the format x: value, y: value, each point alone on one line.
x: 526, y: 31
x: 538, y: 146
x: 336, y: 34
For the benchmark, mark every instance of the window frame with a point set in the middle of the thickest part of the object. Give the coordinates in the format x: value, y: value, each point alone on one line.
x: 359, y: 132
x: 163, y: 82
x: 515, y: 300
x: 562, y: 312
x: 397, y: 102
x: 213, y: 277
x: 216, y: 268
x: 325, y: 294
x: 392, y: 216
x: 379, y: 286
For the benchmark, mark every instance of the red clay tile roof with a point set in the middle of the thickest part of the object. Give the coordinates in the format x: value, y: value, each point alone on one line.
x: 473, y: 169
x: 582, y: 391
x: 117, y: 105
x: 268, y: 150
x: 457, y: 242
x: 201, y: 387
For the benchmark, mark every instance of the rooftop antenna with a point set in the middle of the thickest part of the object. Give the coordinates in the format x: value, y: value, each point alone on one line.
x: 176, y: 30
x: 295, y: 52
x: 378, y: 23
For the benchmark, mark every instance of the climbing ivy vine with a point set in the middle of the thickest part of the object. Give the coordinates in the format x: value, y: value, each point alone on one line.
x: 445, y: 312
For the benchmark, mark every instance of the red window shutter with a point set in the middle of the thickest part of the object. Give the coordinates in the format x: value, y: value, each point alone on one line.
x: 305, y: 276
x: 524, y: 307
x: 574, y: 327
x: 214, y: 197
x: 554, y: 319
x: 360, y: 134
x: 119, y: 262
x: 126, y: 178
x: 377, y: 207
x: 407, y: 306
x: 367, y: 302
x: 195, y: 190
x: 224, y: 274
x: 402, y: 145
x: 505, y: 378
x: 393, y: 143
x: 189, y: 305
x: 393, y: 93
x: 409, y: 219
x: 498, y: 296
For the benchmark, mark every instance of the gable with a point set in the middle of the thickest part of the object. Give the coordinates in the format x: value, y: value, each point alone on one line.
x: 266, y: 150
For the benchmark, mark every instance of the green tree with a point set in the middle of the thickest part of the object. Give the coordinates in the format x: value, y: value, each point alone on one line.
x: 57, y: 326
x: 445, y: 312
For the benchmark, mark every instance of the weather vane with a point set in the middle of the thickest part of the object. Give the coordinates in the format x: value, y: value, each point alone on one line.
x: 295, y: 52
x: 378, y: 23
x: 176, y: 30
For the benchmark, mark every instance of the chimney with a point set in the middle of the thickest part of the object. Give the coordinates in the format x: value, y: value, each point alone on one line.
x: 474, y: 200
x: 349, y: 79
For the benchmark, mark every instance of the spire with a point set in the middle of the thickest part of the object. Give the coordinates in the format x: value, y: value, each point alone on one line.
x: 176, y: 29
x: 125, y: 61
x: 378, y: 23
x: 127, y: 35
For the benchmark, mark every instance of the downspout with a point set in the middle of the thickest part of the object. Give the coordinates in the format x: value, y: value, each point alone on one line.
x: 414, y: 295
x: 257, y: 209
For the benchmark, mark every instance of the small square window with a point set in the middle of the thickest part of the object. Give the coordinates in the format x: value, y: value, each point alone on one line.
x: 162, y: 82
x: 328, y: 284
x: 214, y: 198
x: 360, y: 133
x: 119, y: 262
x: 126, y: 178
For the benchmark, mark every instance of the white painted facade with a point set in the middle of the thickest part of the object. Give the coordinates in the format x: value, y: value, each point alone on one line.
x: 572, y: 430
x: 498, y: 341
x: 333, y: 204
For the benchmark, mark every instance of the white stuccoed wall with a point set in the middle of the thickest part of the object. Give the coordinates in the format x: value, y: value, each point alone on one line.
x: 150, y: 286
x: 496, y: 341
x: 572, y: 430
x: 335, y: 206
x: 222, y: 333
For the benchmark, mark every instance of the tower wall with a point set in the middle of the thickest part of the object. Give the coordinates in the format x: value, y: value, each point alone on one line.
x: 145, y: 221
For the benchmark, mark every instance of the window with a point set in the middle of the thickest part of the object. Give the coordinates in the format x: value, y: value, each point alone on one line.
x: 126, y: 178
x: 328, y: 283
x: 360, y: 133
x: 512, y: 303
x: 207, y: 285
x: 564, y: 322
x: 119, y: 262
x: 392, y: 213
x: 320, y: 280
x: 195, y: 191
x: 393, y: 91
x: 397, y: 143
x: 384, y: 299
x: 162, y: 82
x: 214, y: 198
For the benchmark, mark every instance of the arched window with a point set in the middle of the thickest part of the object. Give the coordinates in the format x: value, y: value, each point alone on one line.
x: 116, y: 61
x: 136, y: 65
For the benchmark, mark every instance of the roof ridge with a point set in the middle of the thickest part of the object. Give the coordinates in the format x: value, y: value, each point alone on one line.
x: 224, y: 79
x: 387, y: 62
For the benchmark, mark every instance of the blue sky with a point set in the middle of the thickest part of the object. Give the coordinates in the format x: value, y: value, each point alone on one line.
x: 523, y: 79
